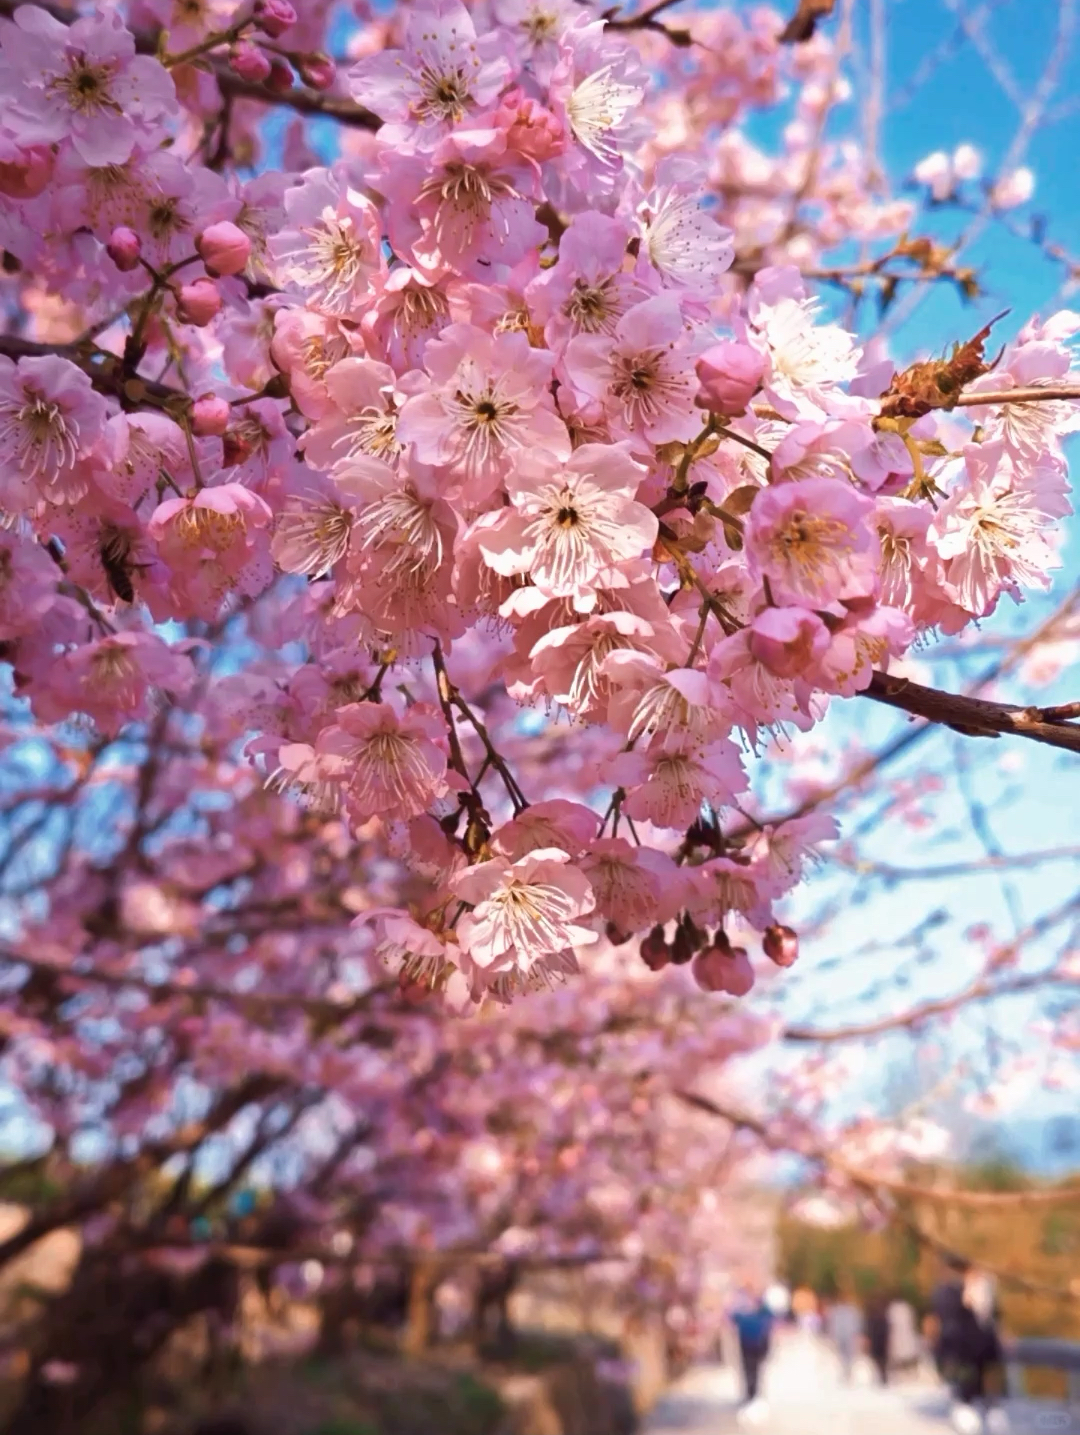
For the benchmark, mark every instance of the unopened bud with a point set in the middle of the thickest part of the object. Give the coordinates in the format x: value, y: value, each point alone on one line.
x: 781, y: 945
x: 224, y: 248
x: 655, y: 952
x: 719, y: 970
x: 280, y: 78
x: 274, y: 17
x: 210, y: 415
x: 124, y: 248
x: 249, y: 62
x: 730, y: 375
x: 316, y: 69
x: 198, y: 302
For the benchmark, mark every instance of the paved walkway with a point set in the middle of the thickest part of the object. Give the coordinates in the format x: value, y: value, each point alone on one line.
x: 805, y: 1396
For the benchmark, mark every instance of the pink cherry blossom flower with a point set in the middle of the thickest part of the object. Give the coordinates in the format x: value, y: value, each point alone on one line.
x: 306, y: 346
x: 597, y: 89
x: 759, y: 697
x: 567, y: 663
x: 634, y: 886
x: 788, y: 641
x: 780, y: 853
x: 330, y: 249
x: 571, y: 522
x: 361, y: 416
x: 467, y: 206
x: 993, y: 530
x: 488, y: 401
x: 722, y: 886
x: 113, y: 680
x: 668, y: 787
x: 863, y: 642
x: 814, y: 542
x: 677, y: 707
x: 586, y: 290
x: 410, y: 310
x: 556, y: 823
x: 534, y: 28
x: 83, y: 82
x: 388, y: 765
x: 523, y: 912
x: 444, y: 74
x: 644, y: 374
x: 681, y: 241
x: 50, y: 417
x: 28, y: 578
x: 807, y: 360
x: 408, y: 949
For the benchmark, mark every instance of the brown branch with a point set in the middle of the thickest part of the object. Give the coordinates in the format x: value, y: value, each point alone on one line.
x: 1032, y: 395
x: 974, y: 717
x: 305, y: 102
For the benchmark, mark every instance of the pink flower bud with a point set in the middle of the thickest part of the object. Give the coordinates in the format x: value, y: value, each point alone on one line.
x: 788, y: 641
x: 124, y: 248
x: 280, y: 78
x: 224, y: 248
x: 781, y: 945
x: 198, y: 302
x: 730, y: 375
x: 530, y: 128
x: 717, y: 970
x: 249, y: 62
x: 27, y: 175
x: 274, y: 17
x: 316, y: 70
x: 210, y: 415
x: 654, y: 950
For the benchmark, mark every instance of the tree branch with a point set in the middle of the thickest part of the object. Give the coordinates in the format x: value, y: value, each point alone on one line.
x: 974, y: 717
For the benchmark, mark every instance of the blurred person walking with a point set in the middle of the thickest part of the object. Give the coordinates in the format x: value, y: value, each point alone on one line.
x: 977, y: 1352
x: 877, y: 1336
x: 905, y: 1347
x: 753, y: 1322
x: 844, y: 1324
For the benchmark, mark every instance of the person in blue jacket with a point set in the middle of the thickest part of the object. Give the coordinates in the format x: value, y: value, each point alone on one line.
x: 753, y: 1322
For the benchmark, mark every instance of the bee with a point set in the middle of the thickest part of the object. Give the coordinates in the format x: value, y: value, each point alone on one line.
x: 114, y: 550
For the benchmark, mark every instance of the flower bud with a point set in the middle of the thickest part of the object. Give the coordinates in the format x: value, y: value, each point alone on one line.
x: 730, y: 375
x: 654, y: 950
x: 210, y: 415
x: 249, y: 62
x: 274, y: 17
x: 615, y: 934
x: 27, y: 175
x: 781, y: 945
x: 788, y: 641
x: 124, y: 248
x: 280, y: 78
x: 198, y: 302
x: 717, y: 970
x: 236, y: 449
x: 689, y: 938
x: 224, y: 248
x: 316, y: 69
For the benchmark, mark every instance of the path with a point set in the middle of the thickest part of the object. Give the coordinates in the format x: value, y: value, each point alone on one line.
x: 806, y: 1397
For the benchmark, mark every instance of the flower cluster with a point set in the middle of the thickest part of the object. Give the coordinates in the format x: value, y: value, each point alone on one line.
x: 477, y: 416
